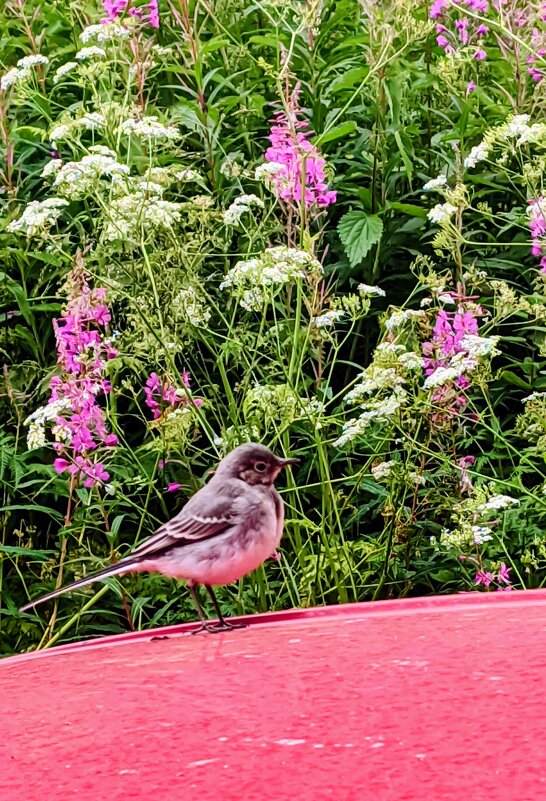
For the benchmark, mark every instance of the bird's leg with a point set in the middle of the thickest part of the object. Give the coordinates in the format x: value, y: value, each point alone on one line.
x: 205, y: 625
x: 223, y: 624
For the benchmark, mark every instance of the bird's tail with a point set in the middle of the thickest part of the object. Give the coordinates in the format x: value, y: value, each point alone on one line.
x: 113, y: 570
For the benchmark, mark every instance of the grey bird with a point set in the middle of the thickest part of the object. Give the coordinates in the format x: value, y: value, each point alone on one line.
x: 226, y: 530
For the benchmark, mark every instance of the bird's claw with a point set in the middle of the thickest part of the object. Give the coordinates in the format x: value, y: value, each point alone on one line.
x: 214, y: 628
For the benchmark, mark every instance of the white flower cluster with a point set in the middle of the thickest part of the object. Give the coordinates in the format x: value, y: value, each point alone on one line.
x: 76, y: 179
x: 465, y: 535
x: 36, y: 421
x: 497, y: 502
x: 267, y: 170
x: 240, y: 206
x: 131, y: 212
x: 441, y: 213
x: 518, y: 128
x: 384, y: 378
x: 534, y: 396
x: 478, y: 153
x: 64, y: 69
x: 103, y: 33
x: 477, y: 346
x: 374, y: 379
x: 150, y: 128
x: 28, y: 62
x: 21, y: 73
x: 371, y: 291
x: 401, y: 316
x: 38, y: 217
x: 275, y: 267
x: 90, y: 52
x: 382, y: 470
x: 377, y: 411
x: 442, y: 375
x: 435, y: 183
x: 189, y: 306
x: 328, y: 318
x: 89, y: 120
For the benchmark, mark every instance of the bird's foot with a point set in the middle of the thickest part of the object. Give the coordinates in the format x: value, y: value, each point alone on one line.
x: 220, y: 625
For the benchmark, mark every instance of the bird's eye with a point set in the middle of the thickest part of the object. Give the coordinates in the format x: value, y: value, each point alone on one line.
x: 260, y: 467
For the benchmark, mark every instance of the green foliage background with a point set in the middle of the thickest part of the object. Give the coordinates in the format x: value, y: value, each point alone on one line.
x: 389, y: 112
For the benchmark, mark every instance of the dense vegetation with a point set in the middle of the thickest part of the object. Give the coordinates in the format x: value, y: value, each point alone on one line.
x: 319, y: 225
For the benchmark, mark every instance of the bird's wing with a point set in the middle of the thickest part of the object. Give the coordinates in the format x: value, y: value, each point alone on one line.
x: 207, y: 514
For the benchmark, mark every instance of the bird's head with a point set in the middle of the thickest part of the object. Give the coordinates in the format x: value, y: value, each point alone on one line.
x: 252, y: 463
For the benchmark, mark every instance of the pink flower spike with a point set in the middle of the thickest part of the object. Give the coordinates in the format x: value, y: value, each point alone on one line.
x: 153, y: 15
x: 173, y: 486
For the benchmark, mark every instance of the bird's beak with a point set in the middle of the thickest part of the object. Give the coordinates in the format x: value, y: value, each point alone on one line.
x: 286, y: 462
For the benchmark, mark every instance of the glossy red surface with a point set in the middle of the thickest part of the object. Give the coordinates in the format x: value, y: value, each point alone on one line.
x: 416, y: 700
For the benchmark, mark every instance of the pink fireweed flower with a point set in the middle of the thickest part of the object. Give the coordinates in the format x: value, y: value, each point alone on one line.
x: 113, y: 9
x: 437, y: 8
x: 82, y: 354
x: 537, y: 226
x: 300, y: 170
x: 148, y: 14
x: 465, y: 482
x: 483, y: 577
x: 461, y: 25
x: 173, y: 486
x: 445, y: 349
x: 470, y: 87
x: 163, y: 397
x: 480, y: 54
x: 503, y: 574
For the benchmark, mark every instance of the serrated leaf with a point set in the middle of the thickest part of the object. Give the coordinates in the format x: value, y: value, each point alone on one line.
x: 358, y: 232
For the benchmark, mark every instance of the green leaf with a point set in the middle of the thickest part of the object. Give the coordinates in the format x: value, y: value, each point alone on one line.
x: 343, y: 129
x: 515, y: 380
x: 410, y: 209
x: 358, y: 232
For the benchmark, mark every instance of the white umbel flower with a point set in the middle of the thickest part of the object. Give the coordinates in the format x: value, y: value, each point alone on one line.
x: 499, y: 502
x: 241, y: 205
x: 478, y: 153
x: 371, y: 291
x: 150, y: 128
x: 104, y: 33
x: 38, y: 216
x: 32, y: 61
x: 90, y: 52
x: 382, y: 470
x: 442, y: 212
x: 435, y: 183
x: 13, y: 77
x: 64, y: 69
x: 328, y: 319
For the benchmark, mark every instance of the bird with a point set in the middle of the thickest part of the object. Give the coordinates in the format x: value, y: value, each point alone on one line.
x: 225, y: 531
